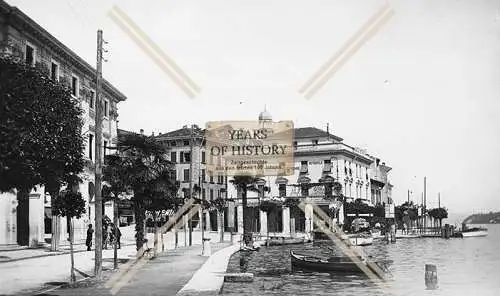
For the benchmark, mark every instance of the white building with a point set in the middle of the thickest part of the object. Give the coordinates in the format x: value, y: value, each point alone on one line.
x: 30, y: 223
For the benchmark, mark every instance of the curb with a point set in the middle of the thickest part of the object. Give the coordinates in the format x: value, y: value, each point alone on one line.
x: 210, y: 273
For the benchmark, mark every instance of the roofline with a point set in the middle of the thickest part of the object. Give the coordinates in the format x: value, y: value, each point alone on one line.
x: 329, y: 134
x: 26, y: 20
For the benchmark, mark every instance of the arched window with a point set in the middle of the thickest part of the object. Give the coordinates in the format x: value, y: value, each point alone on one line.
x: 91, y: 191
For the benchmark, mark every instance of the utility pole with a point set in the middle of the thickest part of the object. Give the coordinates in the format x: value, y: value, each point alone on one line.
x: 425, y: 202
x: 191, y: 181
x: 439, y: 199
x: 408, y: 196
x: 98, y: 159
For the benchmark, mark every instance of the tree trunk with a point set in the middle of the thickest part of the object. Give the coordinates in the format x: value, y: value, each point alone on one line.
x: 22, y: 220
x: 246, y: 225
x: 115, y: 221
x: 155, y: 251
x: 221, y: 219
x: 56, y: 224
x: 140, y: 216
x: 70, y: 239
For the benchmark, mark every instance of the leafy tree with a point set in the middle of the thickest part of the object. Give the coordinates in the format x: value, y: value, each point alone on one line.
x: 144, y: 159
x: 70, y: 205
x: 219, y: 204
x: 439, y: 214
x: 40, y: 132
x: 242, y: 183
x: 160, y: 196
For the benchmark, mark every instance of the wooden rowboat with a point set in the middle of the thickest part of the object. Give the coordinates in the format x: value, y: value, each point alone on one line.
x: 332, y: 264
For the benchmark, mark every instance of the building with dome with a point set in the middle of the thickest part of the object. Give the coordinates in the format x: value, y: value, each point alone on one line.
x: 320, y: 158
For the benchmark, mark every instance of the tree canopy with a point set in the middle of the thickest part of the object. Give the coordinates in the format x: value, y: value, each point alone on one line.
x: 40, y: 129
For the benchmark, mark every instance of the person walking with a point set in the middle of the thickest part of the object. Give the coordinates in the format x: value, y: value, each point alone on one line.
x: 88, y: 242
x: 109, y: 235
x: 118, y: 236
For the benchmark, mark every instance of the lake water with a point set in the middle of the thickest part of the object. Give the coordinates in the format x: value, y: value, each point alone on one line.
x: 469, y: 266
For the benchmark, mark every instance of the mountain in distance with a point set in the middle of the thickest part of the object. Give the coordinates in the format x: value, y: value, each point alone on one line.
x: 483, y: 218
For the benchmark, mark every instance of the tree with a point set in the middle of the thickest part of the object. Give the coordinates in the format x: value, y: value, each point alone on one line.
x: 40, y: 134
x: 242, y: 183
x: 160, y: 196
x: 115, y: 174
x: 219, y: 204
x: 439, y: 214
x: 144, y: 159
x: 70, y: 205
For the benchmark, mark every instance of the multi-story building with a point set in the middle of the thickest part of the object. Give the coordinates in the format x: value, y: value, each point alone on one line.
x: 186, y: 147
x: 21, y: 36
x: 320, y: 157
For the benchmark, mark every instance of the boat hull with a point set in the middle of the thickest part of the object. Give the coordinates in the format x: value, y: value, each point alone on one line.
x: 333, y: 264
x: 480, y: 233
x: 361, y: 240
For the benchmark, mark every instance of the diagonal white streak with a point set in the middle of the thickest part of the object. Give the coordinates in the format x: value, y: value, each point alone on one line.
x: 348, y: 49
x: 158, y: 56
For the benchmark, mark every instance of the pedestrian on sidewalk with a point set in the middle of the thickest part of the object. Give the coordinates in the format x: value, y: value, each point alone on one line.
x: 88, y: 242
x: 118, y: 236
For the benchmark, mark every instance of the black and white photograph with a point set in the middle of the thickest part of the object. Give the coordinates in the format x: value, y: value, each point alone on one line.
x: 239, y: 147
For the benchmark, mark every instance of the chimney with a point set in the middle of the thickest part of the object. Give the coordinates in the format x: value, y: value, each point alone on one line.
x: 153, y: 134
x: 327, y: 128
x: 142, y: 131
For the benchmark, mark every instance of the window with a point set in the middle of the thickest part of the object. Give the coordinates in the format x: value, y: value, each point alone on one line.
x: 204, y: 194
x: 173, y: 143
x: 186, y: 175
x: 106, y: 108
x: 186, y: 142
x: 294, y: 143
x: 282, y: 190
x: 30, y: 55
x: 91, y: 140
x: 315, y: 142
x: 54, y: 71
x: 203, y: 175
x: 92, y: 99
x: 74, y: 86
x: 211, y: 174
x: 105, y: 147
x: 303, y: 167
x: 202, y: 156
x: 185, y: 157
x: 220, y: 179
x: 173, y: 156
x: 173, y: 175
x: 327, y: 166
x: 211, y: 194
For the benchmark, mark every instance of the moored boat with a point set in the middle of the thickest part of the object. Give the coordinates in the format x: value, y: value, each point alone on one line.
x: 360, y: 239
x: 338, y: 263
x: 475, y: 232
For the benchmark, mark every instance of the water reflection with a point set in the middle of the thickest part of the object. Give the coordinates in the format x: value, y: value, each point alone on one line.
x: 464, y: 267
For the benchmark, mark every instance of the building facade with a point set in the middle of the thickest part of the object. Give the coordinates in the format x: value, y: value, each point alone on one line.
x: 319, y: 157
x: 186, y: 148
x: 23, y: 37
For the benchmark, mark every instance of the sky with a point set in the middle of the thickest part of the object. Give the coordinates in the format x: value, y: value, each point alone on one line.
x: 423, y: 94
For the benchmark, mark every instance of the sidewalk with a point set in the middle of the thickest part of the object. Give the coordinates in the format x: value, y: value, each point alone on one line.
x: 34, y: 273
x: 163, y: 275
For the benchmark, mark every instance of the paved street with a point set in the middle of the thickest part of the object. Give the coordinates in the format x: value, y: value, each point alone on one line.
x: 35, y: 274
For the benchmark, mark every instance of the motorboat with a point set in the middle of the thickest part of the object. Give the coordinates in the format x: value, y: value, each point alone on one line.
x: 360, y: 239
x: 475, y: 232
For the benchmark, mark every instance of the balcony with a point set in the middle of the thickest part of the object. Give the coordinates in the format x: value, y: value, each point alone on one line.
x: 330, y: 147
